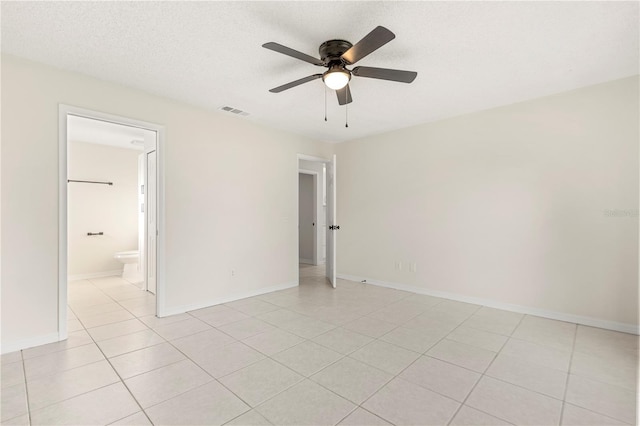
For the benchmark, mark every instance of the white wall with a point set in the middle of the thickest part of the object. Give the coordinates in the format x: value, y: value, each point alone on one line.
x: 507, y: 205
x: 101, y: 208
x: 306, y: 226
x: 218, y: 216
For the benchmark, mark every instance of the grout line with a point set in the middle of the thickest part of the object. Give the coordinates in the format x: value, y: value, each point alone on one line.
x: 26, y: 386
x: 566, y: 383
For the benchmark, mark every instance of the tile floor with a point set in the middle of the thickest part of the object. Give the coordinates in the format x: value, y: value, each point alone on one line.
x: 312, y: 355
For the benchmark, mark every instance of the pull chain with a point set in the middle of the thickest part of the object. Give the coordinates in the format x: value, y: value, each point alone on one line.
x: 346, y: 115
x: 325, y: 103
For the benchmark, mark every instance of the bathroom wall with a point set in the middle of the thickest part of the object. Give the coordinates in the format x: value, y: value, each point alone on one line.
x: 101, y: 208
x: 306, y: 227
x: 321, y: 208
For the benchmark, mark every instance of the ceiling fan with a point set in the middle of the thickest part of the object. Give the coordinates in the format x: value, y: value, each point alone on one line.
x: 336, y: 55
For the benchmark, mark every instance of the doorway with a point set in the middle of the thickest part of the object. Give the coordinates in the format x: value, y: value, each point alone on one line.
x: 316, y: 219
x: 111, y: 214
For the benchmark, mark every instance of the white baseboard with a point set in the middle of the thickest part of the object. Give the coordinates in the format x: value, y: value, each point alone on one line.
x: 306, y: 261
x: 17, y: 345
x: 112, y: 273
x: 560, y: 316
x: 186, y: 308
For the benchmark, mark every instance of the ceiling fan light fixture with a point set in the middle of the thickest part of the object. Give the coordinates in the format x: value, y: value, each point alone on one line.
x: 336, y: 78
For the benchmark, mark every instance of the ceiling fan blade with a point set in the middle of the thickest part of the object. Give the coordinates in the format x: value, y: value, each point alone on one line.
x: 295, y: 83
x: 344, y: 95
x: 293, y: 53
x: 385, y: 74
x: 372, y: 41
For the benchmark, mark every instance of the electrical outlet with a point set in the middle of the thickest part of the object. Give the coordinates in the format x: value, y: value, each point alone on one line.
x: 398, y: 265
x: 412, y: 267
x: 233, y: 272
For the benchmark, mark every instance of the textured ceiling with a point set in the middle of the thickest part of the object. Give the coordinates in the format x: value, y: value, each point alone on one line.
x: 469, y: 56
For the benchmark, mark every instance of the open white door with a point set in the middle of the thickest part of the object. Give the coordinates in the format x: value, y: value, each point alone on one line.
x: 151, y: 222
x: 331, y: 221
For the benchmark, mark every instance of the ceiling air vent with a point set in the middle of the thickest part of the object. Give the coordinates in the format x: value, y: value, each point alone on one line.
x: 234, y: 111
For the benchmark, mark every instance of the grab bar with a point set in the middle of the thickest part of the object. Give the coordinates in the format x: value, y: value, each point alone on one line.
x: 90, y: 181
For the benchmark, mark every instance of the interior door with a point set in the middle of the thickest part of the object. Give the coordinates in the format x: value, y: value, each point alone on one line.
x: 151, y: 221
x: 331, y: 222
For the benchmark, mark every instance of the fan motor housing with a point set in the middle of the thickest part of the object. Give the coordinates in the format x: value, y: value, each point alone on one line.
x: 331, y: 51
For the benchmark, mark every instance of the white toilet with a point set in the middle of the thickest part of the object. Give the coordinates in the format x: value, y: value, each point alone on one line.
x: 131, y: 260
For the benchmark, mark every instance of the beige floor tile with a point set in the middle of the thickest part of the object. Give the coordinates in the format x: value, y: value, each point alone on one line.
x: 129, y: 343
x: 307, y: 328
x: 385, y: 356
x: 61, y: 361
x: 203, y: 342
x: 166, y: 382
x: 606, y: 343
x: 306, y: 403
x: 245, y: 328
x: 361, y: 417
x: 110, y: 331
x: 372, y: 327
x: 397, y: 313
x: 273, y: 341
x: 137, y: 419
x: 307, y: 358
x: 492, y: 325
x: 260, y: 381
x: 107, y: 318
x: 144, y: 360
x: 11, y: 357
x: 153, y: 321
x: 280, y: 316
x: 13, y: 402
x: 18, y: 421
x: 226, y: 359
x: 404, y: 403
x: 474, y: 337
x: 538, y: 354
x: 468, y: 416
x: 101, y: 406
x: 540, y: 379
x: 414, y: 339
x: 620, y: 374
x: 252, y: 306
x: 219, y: 315
x: 352, y: 379
x: 209, y: 404
x: 546, y: 332
x: 441, y: 377
x: 576, y: 416
x: 514, y: 404
x: 471, y: 357
x: 12, y: 374
x: 74, y: 325
x: 250, y: 418
x: 48, y: 390
x: 342, y: 340
x: 77, y: 338
x: 609, y: 400
x: 180, y: 329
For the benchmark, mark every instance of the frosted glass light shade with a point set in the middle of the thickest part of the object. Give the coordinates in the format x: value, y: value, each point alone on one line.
x: 336, y: 80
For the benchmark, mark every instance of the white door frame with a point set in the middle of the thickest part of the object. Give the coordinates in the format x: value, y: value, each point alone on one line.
x: 317, y: 160
x: 63, y: 112
x: 316, y: 228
